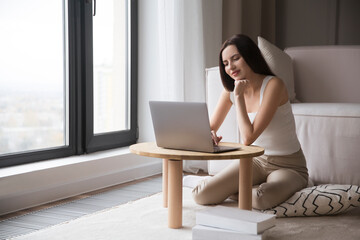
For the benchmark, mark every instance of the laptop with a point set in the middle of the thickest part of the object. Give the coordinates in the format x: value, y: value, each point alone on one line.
x: 183, y: 126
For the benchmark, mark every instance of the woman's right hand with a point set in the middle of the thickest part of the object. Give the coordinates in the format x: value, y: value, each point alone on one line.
x: 240, y: 86
x: 216, y: 139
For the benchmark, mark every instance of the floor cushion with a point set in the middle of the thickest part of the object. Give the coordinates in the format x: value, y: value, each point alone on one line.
x: 328, y: 199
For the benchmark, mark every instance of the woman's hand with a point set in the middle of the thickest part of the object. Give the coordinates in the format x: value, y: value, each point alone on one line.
x: 216, y: 139
x: 240, y: 86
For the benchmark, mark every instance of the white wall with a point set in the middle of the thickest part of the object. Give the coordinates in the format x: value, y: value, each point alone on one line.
x: 33, y: 184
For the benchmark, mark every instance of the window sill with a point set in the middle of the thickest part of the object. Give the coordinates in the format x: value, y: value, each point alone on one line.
x: 60, y: 162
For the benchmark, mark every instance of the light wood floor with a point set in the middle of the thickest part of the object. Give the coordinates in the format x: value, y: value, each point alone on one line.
x: 36, y: 218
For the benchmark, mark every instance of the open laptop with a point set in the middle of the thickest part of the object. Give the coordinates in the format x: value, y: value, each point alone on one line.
x: 184, y: 126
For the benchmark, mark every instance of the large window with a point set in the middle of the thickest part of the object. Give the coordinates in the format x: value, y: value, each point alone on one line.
x: 67, y: 77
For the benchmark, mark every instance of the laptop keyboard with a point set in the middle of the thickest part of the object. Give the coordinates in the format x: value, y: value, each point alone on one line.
x: 223, y: 148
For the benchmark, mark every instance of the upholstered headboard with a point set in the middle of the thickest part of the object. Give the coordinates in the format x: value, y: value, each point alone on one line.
x: 319, y: 78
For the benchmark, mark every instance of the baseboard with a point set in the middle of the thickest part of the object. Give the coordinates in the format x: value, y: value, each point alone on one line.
x: 47, y: 185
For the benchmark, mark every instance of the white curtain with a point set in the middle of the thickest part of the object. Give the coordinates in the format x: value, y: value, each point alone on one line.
x: 189, y: 35
x: 181, y: 50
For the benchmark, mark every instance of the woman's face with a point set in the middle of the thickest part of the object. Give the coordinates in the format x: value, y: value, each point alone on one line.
x: 235, y: 65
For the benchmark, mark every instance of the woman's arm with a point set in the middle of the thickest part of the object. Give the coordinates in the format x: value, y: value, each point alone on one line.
x: 275, y: 94
x: 221, y: 110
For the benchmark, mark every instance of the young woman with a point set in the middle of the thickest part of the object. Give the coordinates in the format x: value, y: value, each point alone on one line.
x: 264, y: 118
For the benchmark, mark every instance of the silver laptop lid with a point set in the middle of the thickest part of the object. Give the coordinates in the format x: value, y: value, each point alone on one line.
x: 181, y: 125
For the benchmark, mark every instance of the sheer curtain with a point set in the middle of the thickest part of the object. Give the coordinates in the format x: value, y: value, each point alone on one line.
x: 181, y: 49
x: 189, y: 39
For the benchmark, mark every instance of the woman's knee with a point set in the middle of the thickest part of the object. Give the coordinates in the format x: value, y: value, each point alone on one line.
x: 280, y: 186
x: 198, y: 193
x: 204, y: 195
x: 264, y: 197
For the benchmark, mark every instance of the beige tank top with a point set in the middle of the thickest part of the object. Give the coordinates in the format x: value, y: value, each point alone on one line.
x: 279, y: 137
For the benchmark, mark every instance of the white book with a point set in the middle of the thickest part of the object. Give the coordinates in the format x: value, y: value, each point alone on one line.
x: 235, y: 219
x: 200, y: 232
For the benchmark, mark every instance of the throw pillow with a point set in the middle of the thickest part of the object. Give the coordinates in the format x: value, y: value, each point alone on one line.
x: 280, y: 64
x: 319, y: 200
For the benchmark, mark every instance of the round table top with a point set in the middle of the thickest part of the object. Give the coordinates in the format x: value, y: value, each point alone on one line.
x: 150, y: 149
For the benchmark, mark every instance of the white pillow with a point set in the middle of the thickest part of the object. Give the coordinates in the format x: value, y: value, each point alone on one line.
x: 329, y: 199
x: 280, y: 64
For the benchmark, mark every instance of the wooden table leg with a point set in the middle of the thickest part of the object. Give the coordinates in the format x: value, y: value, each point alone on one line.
x: 175, y: 193
x: 245, y: 183
x: 165, y: 183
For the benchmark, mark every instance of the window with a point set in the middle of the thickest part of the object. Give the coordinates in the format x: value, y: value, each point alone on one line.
x: 67, y: 78
x: 113, y: 109
x: 110, y: 67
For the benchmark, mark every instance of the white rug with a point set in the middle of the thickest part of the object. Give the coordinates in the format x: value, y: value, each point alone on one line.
x: 147, y: 219
x: 142, y: 219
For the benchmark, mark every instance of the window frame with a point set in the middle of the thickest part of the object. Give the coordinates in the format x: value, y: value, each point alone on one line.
x: 81, y: 137
x: 113, y: 139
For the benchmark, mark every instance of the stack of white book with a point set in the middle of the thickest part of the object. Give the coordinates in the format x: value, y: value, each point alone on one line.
x: 231, y: 223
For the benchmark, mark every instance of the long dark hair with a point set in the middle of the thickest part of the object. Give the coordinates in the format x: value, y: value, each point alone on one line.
x: 250, y: 52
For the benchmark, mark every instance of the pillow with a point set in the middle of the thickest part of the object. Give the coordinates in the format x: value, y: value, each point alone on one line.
x: 319, y: 200
x: 280, y: 64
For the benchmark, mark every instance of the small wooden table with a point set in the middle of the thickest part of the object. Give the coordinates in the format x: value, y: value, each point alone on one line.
x: 173, y: 168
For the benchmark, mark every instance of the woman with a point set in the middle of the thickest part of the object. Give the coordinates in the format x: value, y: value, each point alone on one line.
x: 264, y: 118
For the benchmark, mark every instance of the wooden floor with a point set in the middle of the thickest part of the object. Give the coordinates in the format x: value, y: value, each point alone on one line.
x: 37, y: 218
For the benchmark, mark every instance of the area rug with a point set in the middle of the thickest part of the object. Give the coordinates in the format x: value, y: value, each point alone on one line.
x: 147, y: 219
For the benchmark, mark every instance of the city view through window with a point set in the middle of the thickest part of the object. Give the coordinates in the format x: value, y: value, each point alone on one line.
x: 110, y: 67
x: 33, y: 79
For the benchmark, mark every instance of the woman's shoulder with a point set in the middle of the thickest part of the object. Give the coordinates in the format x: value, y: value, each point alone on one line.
x: 277, y: 86
x: 275, y: 82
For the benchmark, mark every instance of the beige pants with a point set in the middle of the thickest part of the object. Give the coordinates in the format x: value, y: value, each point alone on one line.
x: 275, y: 179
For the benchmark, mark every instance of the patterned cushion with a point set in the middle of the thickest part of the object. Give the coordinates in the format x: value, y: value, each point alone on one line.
x: 319, y: 200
